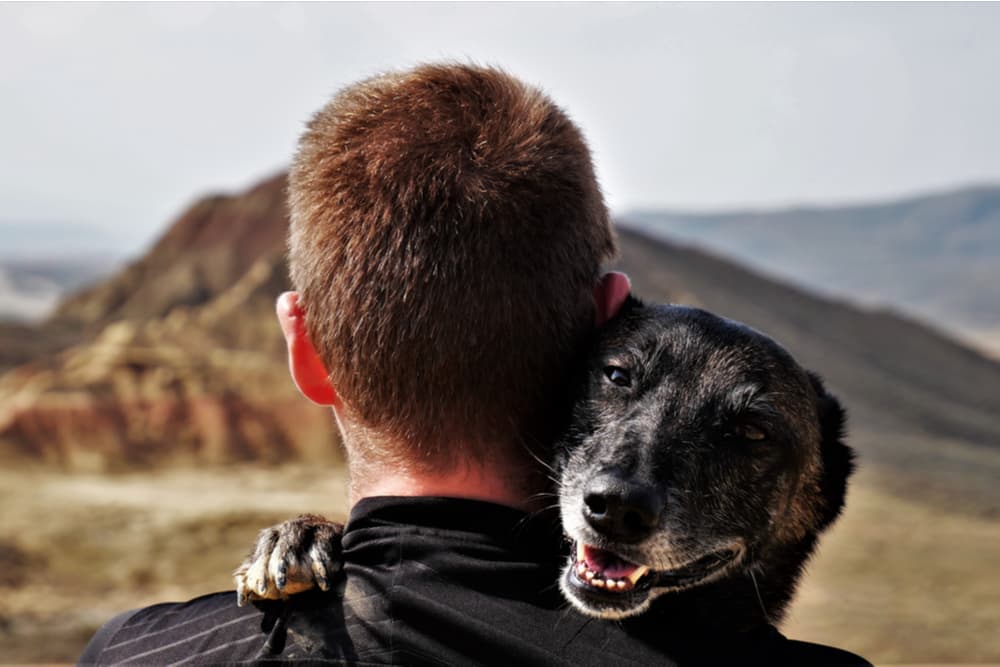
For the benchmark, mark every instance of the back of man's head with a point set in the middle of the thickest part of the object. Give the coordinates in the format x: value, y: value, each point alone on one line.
x: 446, y: 233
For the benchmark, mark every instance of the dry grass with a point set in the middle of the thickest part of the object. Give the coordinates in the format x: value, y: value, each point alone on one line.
x: 76, y: 549
x: 897, y: 580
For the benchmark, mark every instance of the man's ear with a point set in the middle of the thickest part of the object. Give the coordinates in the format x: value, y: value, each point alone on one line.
x: 307, y: 369
x: 609, y: 295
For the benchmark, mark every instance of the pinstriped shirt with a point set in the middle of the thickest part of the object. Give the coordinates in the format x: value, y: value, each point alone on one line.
x: 426, y: 581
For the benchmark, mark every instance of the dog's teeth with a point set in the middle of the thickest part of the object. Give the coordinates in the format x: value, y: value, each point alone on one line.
x: 638, y: 574
x: 599, y: 583
x: 581, y: 568
x: 589, y: 575
x: 621, y: 584
x: 580, y: 552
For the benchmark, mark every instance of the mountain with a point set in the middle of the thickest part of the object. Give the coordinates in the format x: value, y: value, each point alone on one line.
x: 211, y: 246
x: 934, y: 256
x: 174, y: 359
x: 193, y: 318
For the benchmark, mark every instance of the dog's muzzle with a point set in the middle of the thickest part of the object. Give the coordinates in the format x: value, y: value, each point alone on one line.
x: 601, y: 583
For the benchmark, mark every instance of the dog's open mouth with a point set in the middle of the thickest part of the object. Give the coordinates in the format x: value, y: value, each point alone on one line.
x: 604, y: 584
x: 601, y: 569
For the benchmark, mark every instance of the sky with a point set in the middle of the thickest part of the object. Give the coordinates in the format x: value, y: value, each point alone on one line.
x: 115, y: 117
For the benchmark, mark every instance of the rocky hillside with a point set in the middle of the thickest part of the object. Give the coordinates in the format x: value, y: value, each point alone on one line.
x: 176, y: 359
x: 206, y: 251
x: 935, y: 256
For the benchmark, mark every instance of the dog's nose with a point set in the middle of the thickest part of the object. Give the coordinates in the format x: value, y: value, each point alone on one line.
x: 622, y: 509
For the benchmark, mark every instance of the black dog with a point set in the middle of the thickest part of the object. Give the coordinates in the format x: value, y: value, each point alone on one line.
x: 700, y: 466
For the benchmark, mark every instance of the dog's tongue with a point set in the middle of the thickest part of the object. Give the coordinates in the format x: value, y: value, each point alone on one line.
x: 605, y: 563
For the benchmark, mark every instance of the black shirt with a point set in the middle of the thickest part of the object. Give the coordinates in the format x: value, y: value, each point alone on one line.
x: 426, y: 581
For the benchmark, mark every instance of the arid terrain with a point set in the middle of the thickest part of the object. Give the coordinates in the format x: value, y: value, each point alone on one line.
x: 148, y: 430
x: 77, y: 548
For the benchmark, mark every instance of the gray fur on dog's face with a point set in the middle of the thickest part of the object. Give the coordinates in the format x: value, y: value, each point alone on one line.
x: 696, y: 451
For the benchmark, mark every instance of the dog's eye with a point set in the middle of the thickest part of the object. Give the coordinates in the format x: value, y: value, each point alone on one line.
x: 619, y: 376
x: 751, y: 432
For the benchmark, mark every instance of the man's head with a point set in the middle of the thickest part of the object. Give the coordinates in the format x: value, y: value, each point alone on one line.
x: 447, y: 232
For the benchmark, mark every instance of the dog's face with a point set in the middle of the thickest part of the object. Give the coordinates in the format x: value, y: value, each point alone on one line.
x: 699, y: 447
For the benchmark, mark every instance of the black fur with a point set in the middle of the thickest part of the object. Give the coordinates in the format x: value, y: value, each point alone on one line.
x: 720, y: 447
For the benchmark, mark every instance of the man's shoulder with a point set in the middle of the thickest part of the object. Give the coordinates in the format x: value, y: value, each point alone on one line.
x: 795, y: 652
x: 210, y: 628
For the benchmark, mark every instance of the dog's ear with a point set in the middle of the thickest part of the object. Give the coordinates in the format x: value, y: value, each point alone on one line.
x: 838, y: 458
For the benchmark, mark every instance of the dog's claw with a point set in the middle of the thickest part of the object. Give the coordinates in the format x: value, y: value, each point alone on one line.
x: 319, y: 569
x: 241, y: 592
x: 289, y: 558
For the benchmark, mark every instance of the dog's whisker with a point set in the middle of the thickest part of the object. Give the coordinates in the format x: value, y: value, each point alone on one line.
x: 760, y: 600
x: 530, y: 516
x: 542, y: 462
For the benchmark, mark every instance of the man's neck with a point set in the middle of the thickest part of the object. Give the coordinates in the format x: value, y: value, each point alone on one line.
x: 515, y: 481
x: 474, y: 482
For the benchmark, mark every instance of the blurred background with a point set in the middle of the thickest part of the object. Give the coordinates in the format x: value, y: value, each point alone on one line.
x: 829, y: 174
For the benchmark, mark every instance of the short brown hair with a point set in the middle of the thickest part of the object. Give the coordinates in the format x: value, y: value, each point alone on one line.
x: 446, y: 232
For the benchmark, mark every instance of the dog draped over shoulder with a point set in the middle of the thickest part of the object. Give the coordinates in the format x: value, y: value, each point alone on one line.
x: 699, y: 468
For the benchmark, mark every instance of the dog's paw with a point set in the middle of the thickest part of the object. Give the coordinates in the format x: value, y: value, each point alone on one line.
x: 289, y: 558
